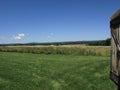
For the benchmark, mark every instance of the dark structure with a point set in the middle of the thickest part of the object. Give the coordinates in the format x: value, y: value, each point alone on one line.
x: 115, y: 48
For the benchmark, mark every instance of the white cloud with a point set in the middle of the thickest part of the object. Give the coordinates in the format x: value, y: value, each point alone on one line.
x: 19, y: 36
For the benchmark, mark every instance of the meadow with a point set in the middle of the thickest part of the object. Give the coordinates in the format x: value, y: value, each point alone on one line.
x: 63, y: 49
x: 67, y: 70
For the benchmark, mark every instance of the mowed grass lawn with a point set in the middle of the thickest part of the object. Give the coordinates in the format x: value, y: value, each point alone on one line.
x: 26, y: 71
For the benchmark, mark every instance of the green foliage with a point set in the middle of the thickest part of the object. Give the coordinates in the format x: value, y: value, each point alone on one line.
x: 106, y: 42
x: 26, y: 71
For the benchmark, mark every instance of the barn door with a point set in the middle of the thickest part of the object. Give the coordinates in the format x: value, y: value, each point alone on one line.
x: 115, y: 48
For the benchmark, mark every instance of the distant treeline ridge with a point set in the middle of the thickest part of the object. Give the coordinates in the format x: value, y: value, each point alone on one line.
x: 90, y: 43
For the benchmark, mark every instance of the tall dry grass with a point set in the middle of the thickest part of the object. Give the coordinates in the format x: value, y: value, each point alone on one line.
x: 79, y: 50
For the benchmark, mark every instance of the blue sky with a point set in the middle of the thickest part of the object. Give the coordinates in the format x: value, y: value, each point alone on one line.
x: 23, y: 21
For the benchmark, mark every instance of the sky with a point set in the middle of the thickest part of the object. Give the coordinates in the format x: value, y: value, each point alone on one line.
x: 24, y: 21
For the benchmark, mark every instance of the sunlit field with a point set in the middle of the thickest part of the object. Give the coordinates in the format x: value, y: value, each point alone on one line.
x: 63, y: 49
x: 23, y: 70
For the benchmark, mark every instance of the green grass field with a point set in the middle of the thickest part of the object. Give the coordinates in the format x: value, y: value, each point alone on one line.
x: 27, y: 71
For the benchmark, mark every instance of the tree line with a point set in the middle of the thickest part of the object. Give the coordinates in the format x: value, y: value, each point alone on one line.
x: 106, y: 42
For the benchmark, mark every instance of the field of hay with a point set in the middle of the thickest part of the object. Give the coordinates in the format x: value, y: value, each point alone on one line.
x: 63, y: 49
x: 55, y: 68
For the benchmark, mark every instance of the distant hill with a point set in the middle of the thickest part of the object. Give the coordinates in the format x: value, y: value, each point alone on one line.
x: 90, y: 43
